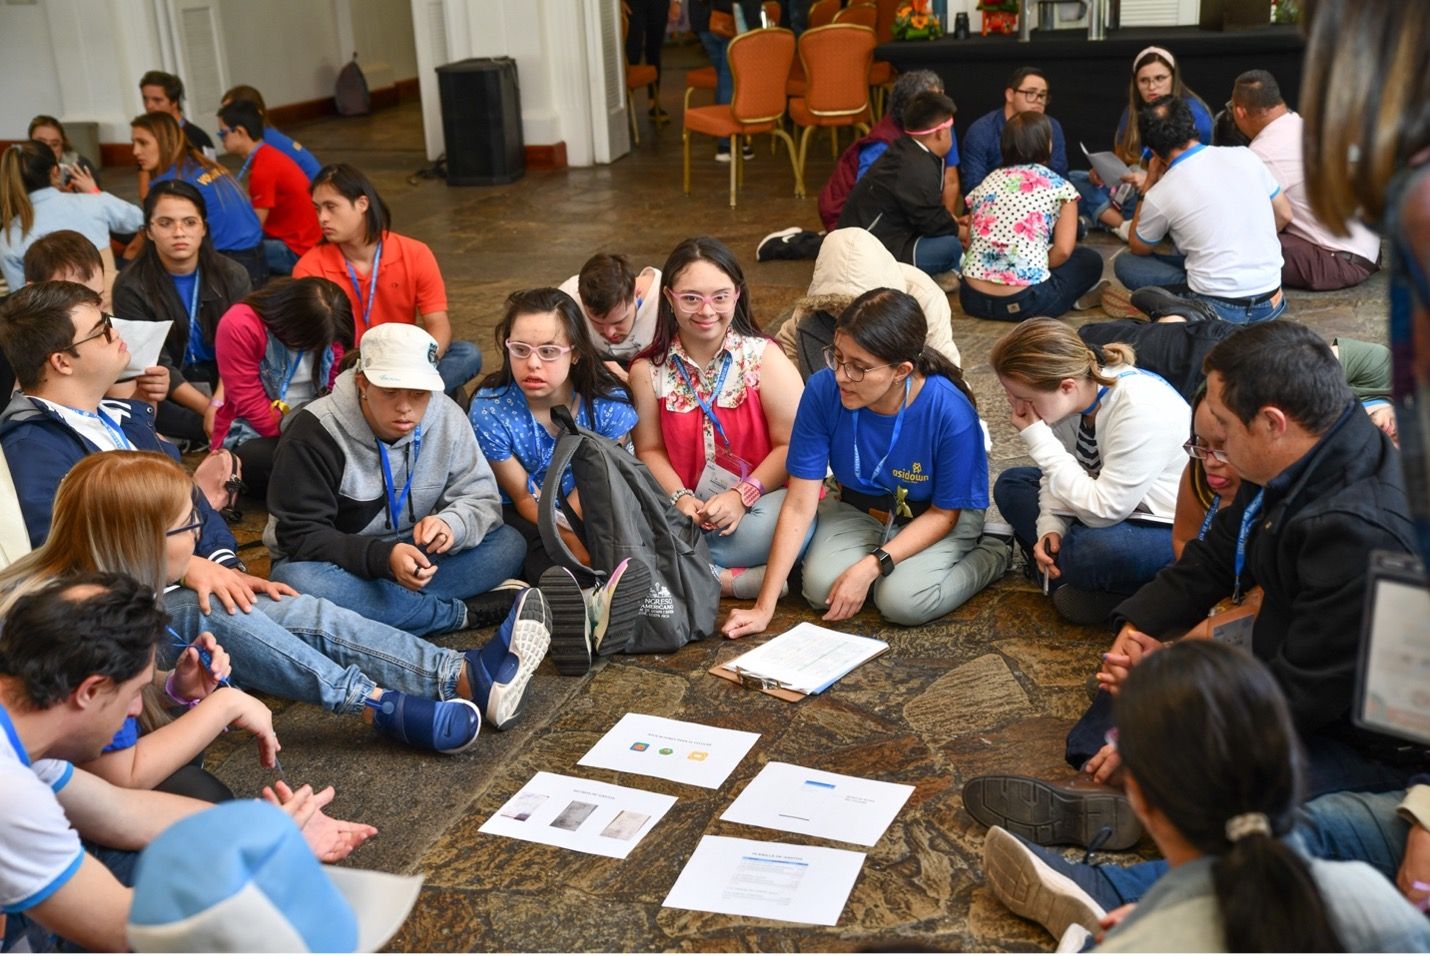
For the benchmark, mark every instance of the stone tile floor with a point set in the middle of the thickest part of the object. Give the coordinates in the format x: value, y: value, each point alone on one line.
x: 992, y: 687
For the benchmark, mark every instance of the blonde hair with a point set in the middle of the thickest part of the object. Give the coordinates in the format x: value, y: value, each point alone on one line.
x: 1042, y: 352
x: 174, y: 149
x: 24, y: 168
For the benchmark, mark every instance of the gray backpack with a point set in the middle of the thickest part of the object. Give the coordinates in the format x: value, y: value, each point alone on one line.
x: 628, y: 515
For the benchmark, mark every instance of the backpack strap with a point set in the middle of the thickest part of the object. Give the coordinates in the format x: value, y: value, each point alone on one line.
x: 551, y: 495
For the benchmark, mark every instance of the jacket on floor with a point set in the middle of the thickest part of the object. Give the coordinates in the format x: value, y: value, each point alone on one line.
x: 846, y: 172
x: 41, y: 449
x: 328, y: 499
x: 1309, y: 550
x: 900, y: 199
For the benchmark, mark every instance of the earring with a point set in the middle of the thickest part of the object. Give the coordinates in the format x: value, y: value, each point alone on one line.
x: 362, y: 396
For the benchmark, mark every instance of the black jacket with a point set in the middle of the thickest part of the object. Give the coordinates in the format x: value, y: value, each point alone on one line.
x: 900, y: 199
x: 1309, y: 551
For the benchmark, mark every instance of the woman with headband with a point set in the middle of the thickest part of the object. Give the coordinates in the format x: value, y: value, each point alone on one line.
x: 1154, y: 74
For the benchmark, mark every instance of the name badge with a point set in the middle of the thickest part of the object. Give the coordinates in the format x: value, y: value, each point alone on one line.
x: 723, y: 472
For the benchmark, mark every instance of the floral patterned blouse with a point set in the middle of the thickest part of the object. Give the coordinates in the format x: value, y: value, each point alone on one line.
x: 1011, y: 218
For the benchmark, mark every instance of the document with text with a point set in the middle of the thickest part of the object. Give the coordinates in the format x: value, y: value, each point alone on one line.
x: 818, y: 804
x: 577, y: 814
x: 797, y: 884
x: 806, y: 658
x: 671, y: 750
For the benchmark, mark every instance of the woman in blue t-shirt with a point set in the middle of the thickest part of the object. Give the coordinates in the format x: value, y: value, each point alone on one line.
x: 161, y: 151
x: 548, y: 359
x: 1154, y: 75
x: 897, y: 425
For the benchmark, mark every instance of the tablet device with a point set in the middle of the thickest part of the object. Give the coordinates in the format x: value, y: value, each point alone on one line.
x: 1393, y: 677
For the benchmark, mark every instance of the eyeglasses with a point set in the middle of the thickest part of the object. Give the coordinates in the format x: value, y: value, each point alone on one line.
x: 1202, y: 452
x: 195, y: 522
x: 106, y: 329
x: 689, y: 303
x: 855, y: 373
x: 223, y: 131
x: 1037, y: 96
x: 547, y: 353
x: 1154, y: 80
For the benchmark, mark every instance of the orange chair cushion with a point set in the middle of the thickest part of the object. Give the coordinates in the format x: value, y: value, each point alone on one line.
x: 800, y: 114
x: 719, y: 120
x: 880, y: 73
x: 641, y: 75
x: 701, y: 79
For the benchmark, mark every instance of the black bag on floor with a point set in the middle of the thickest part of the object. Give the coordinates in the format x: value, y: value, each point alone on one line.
x: 628, y: 515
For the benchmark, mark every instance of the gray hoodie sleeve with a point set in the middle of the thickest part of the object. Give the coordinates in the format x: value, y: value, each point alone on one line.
x: 471, y: 502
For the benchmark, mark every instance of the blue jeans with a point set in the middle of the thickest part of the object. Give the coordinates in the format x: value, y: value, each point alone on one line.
x: 749, y: 546
x: 435, y: 609
x: 281, y: 259
x: 724, y: 83
x: 936, y: 254
x: 1169, y: 272
x: 1096, y: 200
x: 459, y: 365
x: 1052, y: 297
x: 310, y: 649
x: 1118, y: 559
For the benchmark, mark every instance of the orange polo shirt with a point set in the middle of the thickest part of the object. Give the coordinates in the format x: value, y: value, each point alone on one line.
x: 409, y: 284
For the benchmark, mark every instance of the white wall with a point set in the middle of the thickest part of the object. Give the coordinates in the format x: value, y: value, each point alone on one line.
x: 81, y: 59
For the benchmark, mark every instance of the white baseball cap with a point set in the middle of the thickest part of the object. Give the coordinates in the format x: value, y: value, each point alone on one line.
x: 239, y: 877
x: 397, y: 355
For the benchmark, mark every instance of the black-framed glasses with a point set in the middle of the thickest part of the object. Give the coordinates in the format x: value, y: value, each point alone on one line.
x: 1202, y: 452
x: 192, y: 525
x: 106, y: 329
x: 855, y: 373
x: 223, y: 131
x: 1037, y: 96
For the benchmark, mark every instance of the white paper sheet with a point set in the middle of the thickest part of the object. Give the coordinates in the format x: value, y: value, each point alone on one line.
x: 576, y: 814
x: 144, y: 339
x: 671, y: 750
x: 798, y: 884
x: 819, y: 804
x: 807, y: 658
x: 1109, y: 166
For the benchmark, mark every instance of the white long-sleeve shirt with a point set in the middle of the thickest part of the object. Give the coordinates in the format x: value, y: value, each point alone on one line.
x: 1141, y: 424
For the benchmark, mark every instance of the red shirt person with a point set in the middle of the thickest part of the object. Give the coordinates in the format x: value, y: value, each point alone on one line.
x: 277, y: 188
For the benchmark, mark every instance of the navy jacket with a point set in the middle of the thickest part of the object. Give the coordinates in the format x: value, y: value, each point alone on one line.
x: 42, y: 448
x: 982, y: 150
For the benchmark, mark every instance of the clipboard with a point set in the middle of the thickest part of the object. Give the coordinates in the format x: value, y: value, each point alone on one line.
x: 772, y: 687
x: 761, y: 684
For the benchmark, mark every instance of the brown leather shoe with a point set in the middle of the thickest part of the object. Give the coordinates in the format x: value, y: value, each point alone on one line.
x: 1050, y: 814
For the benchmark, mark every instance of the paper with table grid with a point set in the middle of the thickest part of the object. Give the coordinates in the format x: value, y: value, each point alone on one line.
x: 806, y: 658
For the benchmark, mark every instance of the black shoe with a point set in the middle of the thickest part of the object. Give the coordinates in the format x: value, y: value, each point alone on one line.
x: 658, y: 114
x: 570, y: 621
x: 1157, y: 302
x: 1050, y: 814
x: 1089, y: 608
x: 490, y: 608
x: 791, y: 243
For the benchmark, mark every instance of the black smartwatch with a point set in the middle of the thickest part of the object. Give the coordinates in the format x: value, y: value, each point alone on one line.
x: 886, y: 563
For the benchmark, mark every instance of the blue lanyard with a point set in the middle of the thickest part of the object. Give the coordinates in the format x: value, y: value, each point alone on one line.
x: 195, y: 333
x: 243, y: 170
x: 893, y: 437
x: 705, y: 406
x: 1248, y: 518
x: 395, y: 503
x: 1207, y: 521
x: 366, y: 317
x: 110, y: 425
x: 204, y: 656
x: 1096, y: 401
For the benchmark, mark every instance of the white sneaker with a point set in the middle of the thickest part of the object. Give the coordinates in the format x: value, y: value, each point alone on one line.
x: 1075, y: 940
x: 1032, y: 889
x: 1122, y: 230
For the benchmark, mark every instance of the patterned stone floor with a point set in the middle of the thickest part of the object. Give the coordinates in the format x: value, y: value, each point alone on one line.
x: 992, y: 687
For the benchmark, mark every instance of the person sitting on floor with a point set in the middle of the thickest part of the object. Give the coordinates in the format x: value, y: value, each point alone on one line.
x: 850, y: 263
x: 381, y: 501
x: 1094, y: 514
x: 621, y: 307
x: 77, y: 173
x: 74, y: 658
x: 1314, y: 255
x: 1212, y: 201
x: 550, y: 361
x: 359, y: 247
x: 900, y: 198
x: 282, y: 142
x: 1214, y: 771
x: 277, y: 188
x: 1027, y: 92
x: 277, y: 350
x: 181, y: 279
x: 1023, y: 259
x: 909, y: 530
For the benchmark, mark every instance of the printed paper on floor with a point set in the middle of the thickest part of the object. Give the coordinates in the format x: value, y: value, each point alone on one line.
x: 819, y: 804
x: 583, y: 815
x: 671, y: 750
x: 797, y: 884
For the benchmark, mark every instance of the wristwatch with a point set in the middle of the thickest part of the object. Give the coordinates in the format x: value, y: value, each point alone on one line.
x: 886, y: 563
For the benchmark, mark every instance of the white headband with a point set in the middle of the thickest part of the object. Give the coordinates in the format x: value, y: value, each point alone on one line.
x: 1171, y: 60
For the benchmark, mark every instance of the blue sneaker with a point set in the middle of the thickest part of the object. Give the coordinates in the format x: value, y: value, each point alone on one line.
x: 500, y: 671
x: 446, y: 726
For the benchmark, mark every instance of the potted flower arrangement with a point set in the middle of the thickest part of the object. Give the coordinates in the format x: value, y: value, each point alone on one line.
x: 999, y: 16
x: 914, y: 21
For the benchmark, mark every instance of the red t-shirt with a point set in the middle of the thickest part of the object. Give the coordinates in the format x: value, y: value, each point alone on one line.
x: 278, y: 184
x: 409, y: 284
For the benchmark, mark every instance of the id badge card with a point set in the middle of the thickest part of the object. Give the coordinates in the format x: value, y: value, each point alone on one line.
x: 723, y: 472
x: 1233, y: 623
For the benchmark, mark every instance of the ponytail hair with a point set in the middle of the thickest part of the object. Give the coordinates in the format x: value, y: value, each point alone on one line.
x: 24, y: 168
x: 889, y: 324
x: 1205, y: 733
x: 1042, y: 352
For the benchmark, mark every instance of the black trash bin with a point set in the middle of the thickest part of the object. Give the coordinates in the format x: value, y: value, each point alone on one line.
x: 481, y: 121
